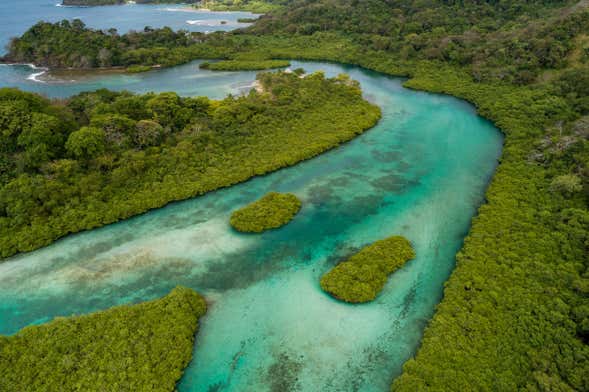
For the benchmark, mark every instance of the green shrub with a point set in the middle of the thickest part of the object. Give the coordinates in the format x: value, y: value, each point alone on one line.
x: 567, y: 184
x: 270, y: 212
x: 138, y: 68
x: 143, y: 347
x: 244, y: 65
x: 361, y: 277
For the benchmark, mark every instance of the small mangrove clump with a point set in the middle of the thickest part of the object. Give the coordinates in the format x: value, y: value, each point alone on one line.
x: 138, y: 68
x: 361, y: 277
x: 270, y: 212
x: 142, y: 347
x: 244, y: 65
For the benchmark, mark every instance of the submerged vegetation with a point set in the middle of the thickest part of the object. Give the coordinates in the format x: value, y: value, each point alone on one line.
x: 105, y: 156
x: 272, y: 211
x: 361, y: 277
x: 245, y: 65
x: 127, y: 348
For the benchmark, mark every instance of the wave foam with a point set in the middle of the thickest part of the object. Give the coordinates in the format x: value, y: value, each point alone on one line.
x: 35, y: 75
x: 210, y: 22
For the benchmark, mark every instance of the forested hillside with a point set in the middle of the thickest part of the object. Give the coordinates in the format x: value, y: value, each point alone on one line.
x: 71, y: 44
x: 508, y: 40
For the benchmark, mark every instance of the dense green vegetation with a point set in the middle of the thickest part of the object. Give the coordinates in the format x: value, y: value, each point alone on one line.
x: 272, y: 211
x: 244, y: 65
x: 105, y: 156
x: 361, y: 277
x: 255, y: 6
x: 515, y: 311
x: 143, y: 347
x: 138, y: 68
x: 247, y: 20
x: 514, y: 314
x: 511, y: 41
x: 70, y: 44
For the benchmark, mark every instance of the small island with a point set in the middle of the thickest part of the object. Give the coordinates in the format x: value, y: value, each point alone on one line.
x: 361, y: 277
x: 244, y: 65
x: 133, y: 347
x: 272, y: 211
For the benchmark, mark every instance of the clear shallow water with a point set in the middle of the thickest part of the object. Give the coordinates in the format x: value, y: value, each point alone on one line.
x: 187, y: 80
x: 421, y: 172
x: 16, y: 16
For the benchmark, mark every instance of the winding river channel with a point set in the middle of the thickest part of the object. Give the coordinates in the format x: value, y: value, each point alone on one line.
x: 421, y: 173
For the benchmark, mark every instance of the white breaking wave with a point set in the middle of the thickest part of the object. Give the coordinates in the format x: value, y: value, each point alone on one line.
x: 209, y: 22
x: 195, y: 10
x: 200, y: 22
x: 35, y: 75
x: 71, y: 6
x: 181, y: 9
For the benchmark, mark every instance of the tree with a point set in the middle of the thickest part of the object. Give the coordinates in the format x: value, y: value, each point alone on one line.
x: 41, y: 140
x: 86, y: 143
x: 167, y: 110
x: 117, y: 128
x: 147, y: 133
x: 567, y: 184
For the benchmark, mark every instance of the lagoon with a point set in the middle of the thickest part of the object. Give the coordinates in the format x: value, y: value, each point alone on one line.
x: 420, y: 173
x: 185, y: 80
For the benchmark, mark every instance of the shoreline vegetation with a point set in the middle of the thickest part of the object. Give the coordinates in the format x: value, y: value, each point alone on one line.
x: 244, y: 65
x: 361, y: 277
x: 104, y: 156
x: 514, y: 314
x: 145, y: 346
x: 253, y: 6
x: 272, y: 211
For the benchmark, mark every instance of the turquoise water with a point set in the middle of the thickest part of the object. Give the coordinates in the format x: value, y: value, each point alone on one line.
x: 16, y: 16
x: 421, y: 173
x: 187, y: 80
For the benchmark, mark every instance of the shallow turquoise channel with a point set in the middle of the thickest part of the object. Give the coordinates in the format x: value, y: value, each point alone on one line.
x: 420, y: 173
